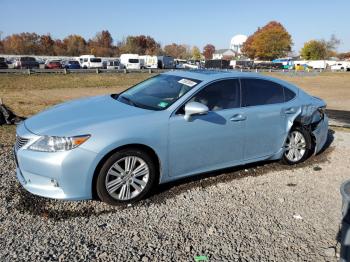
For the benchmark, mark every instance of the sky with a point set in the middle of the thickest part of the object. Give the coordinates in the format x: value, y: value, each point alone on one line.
x: 190, y: 22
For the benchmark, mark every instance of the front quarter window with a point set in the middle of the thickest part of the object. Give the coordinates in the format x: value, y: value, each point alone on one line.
x: 159, y: 92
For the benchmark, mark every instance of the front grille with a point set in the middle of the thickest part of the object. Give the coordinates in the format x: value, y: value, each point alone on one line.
x: 20, y: 142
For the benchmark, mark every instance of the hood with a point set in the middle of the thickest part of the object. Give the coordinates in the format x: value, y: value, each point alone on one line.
x: 76, y: 117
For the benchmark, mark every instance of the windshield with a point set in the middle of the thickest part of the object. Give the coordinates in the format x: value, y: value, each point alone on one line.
x: 132, y: 60
x: 95, y: 60
x: 159, y: 92
x: 74, y: 62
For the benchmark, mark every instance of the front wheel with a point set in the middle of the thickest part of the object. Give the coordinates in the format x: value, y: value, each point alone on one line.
x: 298, y: 146
x: 126, y: 177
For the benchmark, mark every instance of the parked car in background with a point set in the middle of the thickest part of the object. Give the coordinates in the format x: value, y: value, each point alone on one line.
x: 166, y: 62
x: 244, y: 64
x: 26, y: 62
x: 113, y: 64
x: 130, y: 61
x: 179, y: 63
x: 193, y: 64
x: 53, y: 64
x: 170, y: 126
x: 340, y: 67
x: 71, y: 64
x: 3, y: 64
x: 149, y: 61
x: 90, y: 61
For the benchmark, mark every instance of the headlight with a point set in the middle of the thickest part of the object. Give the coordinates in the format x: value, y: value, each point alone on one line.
x: 57, y: 144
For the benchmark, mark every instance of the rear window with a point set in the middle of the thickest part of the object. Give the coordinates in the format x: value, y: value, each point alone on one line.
x: 132, y: 60
x: 261, y: 92
x: 288, y: 94
x: 95, y: 60
x: 74, y: 62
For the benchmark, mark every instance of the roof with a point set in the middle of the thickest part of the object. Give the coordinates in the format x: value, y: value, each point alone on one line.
x: 208, y: 75
x: 222, y: 51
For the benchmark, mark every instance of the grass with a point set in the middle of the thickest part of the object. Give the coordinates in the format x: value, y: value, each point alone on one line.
x: 30, y: 94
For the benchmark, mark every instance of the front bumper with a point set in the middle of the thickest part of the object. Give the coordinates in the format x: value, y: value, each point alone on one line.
x: 61, y: 175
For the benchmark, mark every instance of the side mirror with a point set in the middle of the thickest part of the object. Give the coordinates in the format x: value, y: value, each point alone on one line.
x: 195, y: 108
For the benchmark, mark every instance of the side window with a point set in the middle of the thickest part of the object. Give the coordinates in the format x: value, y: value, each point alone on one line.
x: 220, y: 95
x: 85, y: 59
x: 288, y: 94
x: 261, y: 92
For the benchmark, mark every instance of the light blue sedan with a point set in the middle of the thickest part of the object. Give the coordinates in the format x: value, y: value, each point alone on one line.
x: 174, y: 125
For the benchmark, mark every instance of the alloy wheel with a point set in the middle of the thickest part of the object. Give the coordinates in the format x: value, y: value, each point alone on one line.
x: 295, y: 146
x: 127, y: 178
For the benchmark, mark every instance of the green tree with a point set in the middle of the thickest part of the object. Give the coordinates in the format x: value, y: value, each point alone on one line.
x: 196, y: 53
x: 314, y: 50
x: 269, y: 42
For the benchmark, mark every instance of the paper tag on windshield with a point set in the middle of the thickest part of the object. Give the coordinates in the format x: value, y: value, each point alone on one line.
x: 187, y: 82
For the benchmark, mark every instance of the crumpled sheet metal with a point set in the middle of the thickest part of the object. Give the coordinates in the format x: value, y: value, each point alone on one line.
x: 307, y: 115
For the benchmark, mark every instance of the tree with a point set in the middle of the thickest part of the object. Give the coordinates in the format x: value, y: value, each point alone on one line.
x: 23, y: 43
x: 196, y: 53
x: 59, y: 47
x: 314, y: 50
x: 142, y: 45
x: 101, y: 44
x: 269, y: 42
x: 320, y: 49
x: 46, y: 45
x: 208, y: 51
x: 181, y: 51
x: 75, y: 45
x: 343, y: 55
x: 2, y: 50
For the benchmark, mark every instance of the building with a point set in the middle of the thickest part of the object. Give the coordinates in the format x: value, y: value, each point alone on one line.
x: 224, y: 54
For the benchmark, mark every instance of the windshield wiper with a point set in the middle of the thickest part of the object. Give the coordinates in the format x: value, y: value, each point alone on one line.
x: 129, y: 100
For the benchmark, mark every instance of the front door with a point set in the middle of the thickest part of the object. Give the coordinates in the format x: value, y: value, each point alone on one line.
x: 210, y: 141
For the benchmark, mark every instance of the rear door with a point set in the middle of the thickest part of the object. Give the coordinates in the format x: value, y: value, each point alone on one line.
x: 262, y: 101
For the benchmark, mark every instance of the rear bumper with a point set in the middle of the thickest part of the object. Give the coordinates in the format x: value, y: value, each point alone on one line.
x: 321, y: 134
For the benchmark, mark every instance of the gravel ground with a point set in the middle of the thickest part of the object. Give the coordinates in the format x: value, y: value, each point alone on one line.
x: 264, y: 212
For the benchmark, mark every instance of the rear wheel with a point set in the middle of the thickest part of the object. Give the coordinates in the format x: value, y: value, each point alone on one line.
x: 126, y: 177
x: 298, y: 146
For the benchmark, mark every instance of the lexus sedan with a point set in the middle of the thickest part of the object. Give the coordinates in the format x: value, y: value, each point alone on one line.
x: 177, y: 124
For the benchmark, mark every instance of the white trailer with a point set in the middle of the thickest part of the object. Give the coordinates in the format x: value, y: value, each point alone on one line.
x: 149, y: 61
x: 317, y: 64
x: 130, y: 61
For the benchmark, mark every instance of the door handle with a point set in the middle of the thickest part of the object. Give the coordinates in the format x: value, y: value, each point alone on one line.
x: 290, y: 110
x: 238, y: 117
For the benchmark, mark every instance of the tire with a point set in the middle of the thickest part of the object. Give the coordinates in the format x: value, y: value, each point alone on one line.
x: 129, y: 189
x: 298, y: 146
